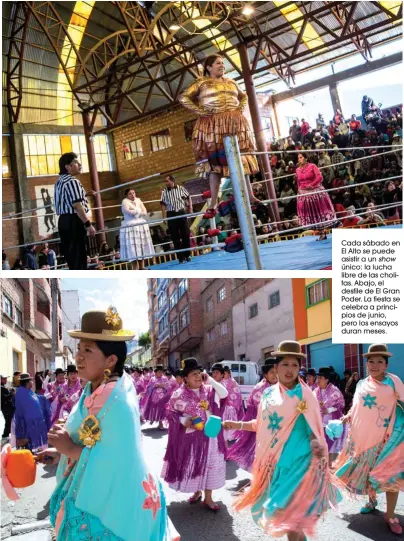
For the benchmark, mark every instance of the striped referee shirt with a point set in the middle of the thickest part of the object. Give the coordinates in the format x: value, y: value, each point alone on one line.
x: 173, y: 198
x: 69, y: 190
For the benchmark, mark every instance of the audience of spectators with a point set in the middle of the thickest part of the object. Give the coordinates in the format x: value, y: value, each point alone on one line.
x: 342, y: 171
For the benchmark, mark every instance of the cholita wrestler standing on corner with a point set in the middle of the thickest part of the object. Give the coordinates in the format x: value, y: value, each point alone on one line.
x: 220, y: 103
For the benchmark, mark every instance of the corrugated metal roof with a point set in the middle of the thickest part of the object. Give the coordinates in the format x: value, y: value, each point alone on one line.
x: 40, y: 71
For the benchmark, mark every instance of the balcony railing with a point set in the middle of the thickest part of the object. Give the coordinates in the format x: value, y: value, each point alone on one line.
x: 162, y: 283
x: 40, y: 328
x: 164, y: 335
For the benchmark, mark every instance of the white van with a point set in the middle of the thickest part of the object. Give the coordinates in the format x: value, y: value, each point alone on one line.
x: 246, y: 374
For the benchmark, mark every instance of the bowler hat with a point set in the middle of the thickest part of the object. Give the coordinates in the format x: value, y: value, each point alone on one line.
x: 71, y: 369
x: 325, y: 372
x: 268, y: 364
x: 311, y: 372
x: 377, y: 349
x: 58, y: 371
x: 159, y: 368
x: 103, y: 326
x: 289, y: 347
x: 25, y: 377
x: 219, y: 367
x: 190, y: 364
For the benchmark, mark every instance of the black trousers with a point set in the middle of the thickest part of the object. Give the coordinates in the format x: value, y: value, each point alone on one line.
x: 73, y: 236
x: 179, y: 231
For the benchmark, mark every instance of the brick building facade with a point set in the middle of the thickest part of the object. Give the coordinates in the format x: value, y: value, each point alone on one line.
x: 199, y: 318
x: 26, y: 328
x: 184, y: 320
x: 216, y: 305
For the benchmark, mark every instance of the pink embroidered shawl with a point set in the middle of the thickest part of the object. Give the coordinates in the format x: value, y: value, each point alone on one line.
x: 277, y: 403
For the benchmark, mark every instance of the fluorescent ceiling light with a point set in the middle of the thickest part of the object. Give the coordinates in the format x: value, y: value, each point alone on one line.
x: 247, y: 10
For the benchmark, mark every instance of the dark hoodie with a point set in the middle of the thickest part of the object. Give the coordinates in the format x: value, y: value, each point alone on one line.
x: 29, y: 259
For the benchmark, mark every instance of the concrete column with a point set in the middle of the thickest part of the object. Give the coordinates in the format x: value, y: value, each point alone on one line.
x: 95, y: 182
x: 19, y: 170
x: 257, y: 127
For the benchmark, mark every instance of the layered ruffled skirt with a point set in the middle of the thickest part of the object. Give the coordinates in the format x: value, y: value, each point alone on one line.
x: 315, y: 209
x: 281, y: 509
x: 378, y: 469
x: 207, y: 139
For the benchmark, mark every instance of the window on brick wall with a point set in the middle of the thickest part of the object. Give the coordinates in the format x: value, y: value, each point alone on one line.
x: 317, y: 292
x: 174, y: 327
x: 162, y: 300
x: 133, y: 149
x: 209, y: 304
x: 5, y: 153
x: 17, y: 317
x: 211, y: 335
x: 253, y: 310
x: 188, y: 129
x: 163, y: 324
x: 7, y: 306
x: 223, y: 328
x: 183, y: 286
x: 184, y: 318
x: 221, y: 294
x: 173, y: 298
x: 274, y: 299
x: 160, y: 140
x: 42, y: 152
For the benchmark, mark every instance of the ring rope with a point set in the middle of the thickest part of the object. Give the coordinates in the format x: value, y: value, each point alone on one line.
x: 269, y: 152
x: 195, y: 214
x: 15, y: 216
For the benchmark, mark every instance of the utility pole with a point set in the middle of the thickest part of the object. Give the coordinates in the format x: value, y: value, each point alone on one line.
x: 55, y: 329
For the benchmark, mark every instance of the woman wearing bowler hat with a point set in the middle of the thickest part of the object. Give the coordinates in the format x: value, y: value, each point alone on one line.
x: 69, y: 395
x: 99, y: 493
x: 332, y: 405
x: 373, y: 458
x: 292, y: 486
x: 233, y: 409
x: 30, y: 424
x: 158, y: 394
x: 243, y: 451
x: 194, y: 462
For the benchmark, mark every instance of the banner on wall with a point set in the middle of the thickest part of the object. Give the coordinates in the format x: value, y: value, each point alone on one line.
x: 47, y: 221
x: 46, y: 218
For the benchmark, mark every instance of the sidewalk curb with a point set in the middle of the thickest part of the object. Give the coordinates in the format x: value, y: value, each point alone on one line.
x: 31, y: 527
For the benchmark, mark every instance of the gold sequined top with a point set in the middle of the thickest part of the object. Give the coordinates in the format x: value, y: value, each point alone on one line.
x: 207, y: 96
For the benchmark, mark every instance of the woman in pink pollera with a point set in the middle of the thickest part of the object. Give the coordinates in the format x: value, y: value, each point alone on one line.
x: 314, y: 205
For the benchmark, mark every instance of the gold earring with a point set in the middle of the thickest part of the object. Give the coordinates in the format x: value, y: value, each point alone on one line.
x: 107, y: 374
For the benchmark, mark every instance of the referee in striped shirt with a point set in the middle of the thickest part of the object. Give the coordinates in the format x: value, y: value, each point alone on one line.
x: 172, y: 201
x: 71, y: 206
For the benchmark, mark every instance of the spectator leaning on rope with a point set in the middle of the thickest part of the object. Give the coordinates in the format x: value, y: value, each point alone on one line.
x: 71, y: 206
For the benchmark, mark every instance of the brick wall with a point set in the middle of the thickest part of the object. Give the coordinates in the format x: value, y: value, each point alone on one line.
x: 193, y: 332
x: 221, y: 347
x: 22, y: 294
x: 244, y: 287
x: 179, y: 155
x: 12, y: 232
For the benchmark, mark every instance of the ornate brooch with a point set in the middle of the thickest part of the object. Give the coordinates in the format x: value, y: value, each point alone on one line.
x: 302, y: 406
x: 112, y: 317
x: 89, y: 431
x: 204, y: 404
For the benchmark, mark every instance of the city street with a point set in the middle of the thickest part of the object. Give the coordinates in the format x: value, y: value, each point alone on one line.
x: 196, y: 523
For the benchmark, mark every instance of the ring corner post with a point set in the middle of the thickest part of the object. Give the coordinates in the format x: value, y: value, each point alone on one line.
x: 239, y: 184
